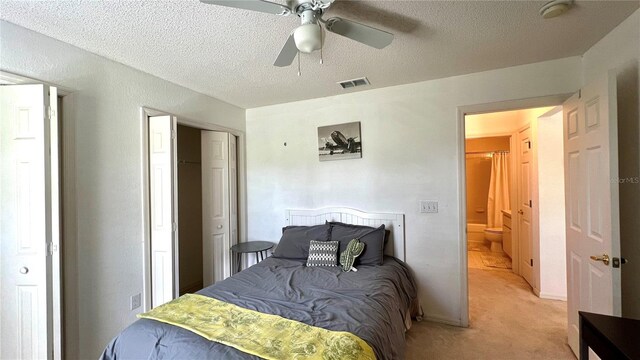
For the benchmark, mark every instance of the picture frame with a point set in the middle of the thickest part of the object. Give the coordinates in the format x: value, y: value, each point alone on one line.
x: 339, y: 142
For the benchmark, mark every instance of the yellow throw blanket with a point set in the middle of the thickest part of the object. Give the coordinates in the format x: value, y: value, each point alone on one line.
x: 264, y: 335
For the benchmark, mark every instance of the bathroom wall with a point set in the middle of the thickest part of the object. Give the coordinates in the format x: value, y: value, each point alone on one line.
x: 478, y: 174
x: 189, y: 209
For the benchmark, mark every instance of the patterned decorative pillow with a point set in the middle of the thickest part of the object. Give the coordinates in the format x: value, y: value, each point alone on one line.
x: 323, y: 253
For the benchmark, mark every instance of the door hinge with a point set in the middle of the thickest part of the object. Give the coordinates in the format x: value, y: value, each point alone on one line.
x: 51, y: 248
x: 173, y: 134
x: 174, y: 227
x: 530, y: 203
x: 531, y: 262
x: 529, y: 144
x: 580, y: 94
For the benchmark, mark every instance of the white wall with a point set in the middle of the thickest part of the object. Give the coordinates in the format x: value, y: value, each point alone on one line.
x: 551, y: 234
x: 103, y: 114
x: 410, y: 152
x: 620, y: 50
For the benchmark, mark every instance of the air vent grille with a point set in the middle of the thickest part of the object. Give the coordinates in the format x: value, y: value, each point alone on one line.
x: 353, y: 83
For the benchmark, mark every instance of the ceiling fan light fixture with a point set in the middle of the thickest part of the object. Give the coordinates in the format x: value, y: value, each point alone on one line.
x: 308, y: 38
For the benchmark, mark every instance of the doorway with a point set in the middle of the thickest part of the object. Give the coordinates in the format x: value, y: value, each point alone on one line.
x: 514, y: 178
x: 192, y: 180
x: 207, y: 198
x: 189, y: 209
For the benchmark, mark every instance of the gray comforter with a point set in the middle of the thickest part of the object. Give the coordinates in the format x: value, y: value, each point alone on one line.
x: 370, y: 303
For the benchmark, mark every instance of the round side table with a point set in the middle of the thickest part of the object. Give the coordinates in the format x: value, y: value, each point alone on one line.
x: 256, y: 247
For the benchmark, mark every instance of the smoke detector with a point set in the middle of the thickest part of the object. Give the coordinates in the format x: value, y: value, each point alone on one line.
x: 555, y: 8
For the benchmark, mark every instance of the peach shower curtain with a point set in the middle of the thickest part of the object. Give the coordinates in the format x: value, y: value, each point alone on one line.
x: 498, y: 190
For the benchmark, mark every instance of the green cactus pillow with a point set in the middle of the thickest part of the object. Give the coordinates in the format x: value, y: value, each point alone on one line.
x: 349, y: 255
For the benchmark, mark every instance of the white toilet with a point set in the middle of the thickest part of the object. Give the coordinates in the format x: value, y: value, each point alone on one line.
x: 495, y: 236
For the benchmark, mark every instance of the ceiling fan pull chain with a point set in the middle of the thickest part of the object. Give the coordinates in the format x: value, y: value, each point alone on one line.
x: 299, y: 63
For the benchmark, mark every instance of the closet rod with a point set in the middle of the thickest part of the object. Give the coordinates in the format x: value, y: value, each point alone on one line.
x: 188, y: 162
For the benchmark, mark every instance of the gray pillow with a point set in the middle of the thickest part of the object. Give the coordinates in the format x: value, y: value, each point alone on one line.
x: 294, y: 243
x: 323, y: 253
x: 387, y: 232
x: 373, y: 238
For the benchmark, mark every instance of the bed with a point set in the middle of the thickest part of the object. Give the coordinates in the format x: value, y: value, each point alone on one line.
x: 374, y: 303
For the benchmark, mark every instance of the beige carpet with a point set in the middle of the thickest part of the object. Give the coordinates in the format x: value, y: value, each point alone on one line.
x: 507, y: 321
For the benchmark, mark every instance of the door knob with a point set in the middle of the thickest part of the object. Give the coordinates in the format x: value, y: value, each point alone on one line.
x: 24, y: 270
x: 219, y: 226
x: 604, y: 258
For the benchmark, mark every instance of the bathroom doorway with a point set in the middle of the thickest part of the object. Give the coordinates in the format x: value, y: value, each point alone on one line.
x: 514, y: 178
x: 488, y: 201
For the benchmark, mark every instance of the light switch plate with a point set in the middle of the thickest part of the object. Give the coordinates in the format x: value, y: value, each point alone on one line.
x: 428, y: 206
x: 136, y: 301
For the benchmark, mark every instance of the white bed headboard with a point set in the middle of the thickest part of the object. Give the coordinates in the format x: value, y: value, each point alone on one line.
x: 392, y: 222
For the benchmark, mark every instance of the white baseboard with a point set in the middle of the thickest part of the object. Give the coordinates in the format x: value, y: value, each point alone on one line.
x: 441, y: 320
x: 536, y: 291
x: 550, y: 296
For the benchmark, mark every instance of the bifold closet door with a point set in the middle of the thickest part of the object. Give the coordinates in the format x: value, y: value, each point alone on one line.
x: 29, y: 218
x: 219, y: 209
x: 162, y: 178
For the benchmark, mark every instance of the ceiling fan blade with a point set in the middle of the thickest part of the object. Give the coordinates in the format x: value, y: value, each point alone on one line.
x: 255, y: 5
x: 287, y: 54
x: 361, y: 33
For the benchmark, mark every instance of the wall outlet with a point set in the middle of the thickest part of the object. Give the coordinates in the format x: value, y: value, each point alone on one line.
x: 136, y: 301
x: 428, y: 206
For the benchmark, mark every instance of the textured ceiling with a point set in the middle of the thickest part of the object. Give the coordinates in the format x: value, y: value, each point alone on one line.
x: 228, y: 53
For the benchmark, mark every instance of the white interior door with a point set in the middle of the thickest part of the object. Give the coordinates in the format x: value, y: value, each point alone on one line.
x: 592, y: 202
x: 216, y: 219
x: 28, y: 218
x: 162, y: 172
x: 524, y: 204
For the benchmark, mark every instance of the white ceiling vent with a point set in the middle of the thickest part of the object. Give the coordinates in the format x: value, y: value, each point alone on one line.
x: 355, y: 82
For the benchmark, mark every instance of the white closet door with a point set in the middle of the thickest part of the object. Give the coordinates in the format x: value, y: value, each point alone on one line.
x: 162, y: 206
x: 216, y: 223
x: 592, y: 202
x: 233, y: 194
x: 26, y: 314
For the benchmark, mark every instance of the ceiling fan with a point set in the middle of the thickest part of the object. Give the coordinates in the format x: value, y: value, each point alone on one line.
x: 308, y: 36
